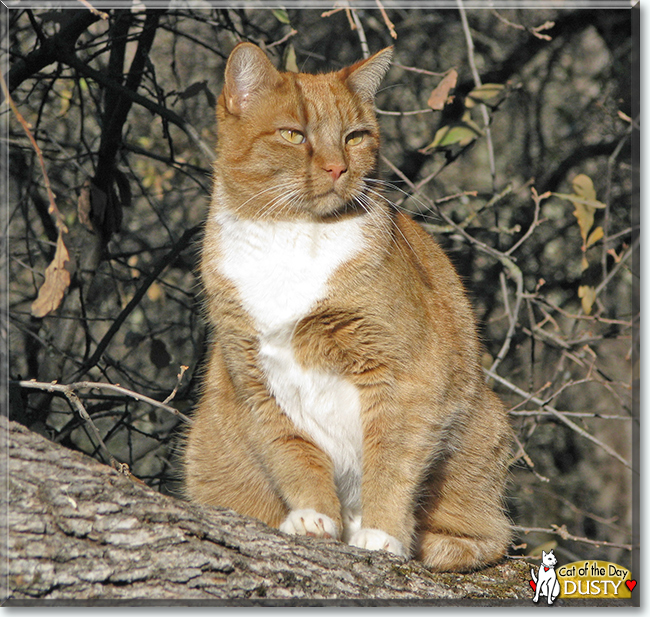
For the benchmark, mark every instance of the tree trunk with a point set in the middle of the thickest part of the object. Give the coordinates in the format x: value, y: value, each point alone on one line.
x: 79, y: 530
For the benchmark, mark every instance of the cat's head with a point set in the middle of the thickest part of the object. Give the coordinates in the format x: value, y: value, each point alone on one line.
x: 296, y: 145
x: 548, y: 559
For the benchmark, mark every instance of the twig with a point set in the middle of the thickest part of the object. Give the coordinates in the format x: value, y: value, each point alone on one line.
x: 608, y: 198
x: 179, y: 378
x: 53, y: 210
x: 534, y: 31
x: 93, y: 10
x: 415, y: 69
x: 477, y: 83
x: 538, y: 200
x: 286, y: 37
x: 77, y: 405
x: 618, y: 266
x: 565, y: 535
x: 65, y: 389
x: 521, y: 453
x: 360, y: 32
x: 574, y: 414
x: 389, y: 24
x: 139, y: 294
x: 560, y: 417
x: 69, y: 57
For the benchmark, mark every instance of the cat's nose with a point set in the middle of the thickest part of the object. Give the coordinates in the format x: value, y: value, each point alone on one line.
x: 336, y: 170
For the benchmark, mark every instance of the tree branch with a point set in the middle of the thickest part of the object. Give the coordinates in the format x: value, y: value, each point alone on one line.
x: 79, y: 530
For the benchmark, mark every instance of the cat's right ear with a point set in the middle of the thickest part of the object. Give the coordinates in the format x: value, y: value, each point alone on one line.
x: 365, y: 76
x: 248, y: 72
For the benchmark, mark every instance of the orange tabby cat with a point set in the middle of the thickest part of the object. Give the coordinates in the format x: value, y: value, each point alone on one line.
x: 343, y: 395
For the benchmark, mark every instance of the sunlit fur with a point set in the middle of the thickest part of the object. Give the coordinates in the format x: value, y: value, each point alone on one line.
x: 343, y: 395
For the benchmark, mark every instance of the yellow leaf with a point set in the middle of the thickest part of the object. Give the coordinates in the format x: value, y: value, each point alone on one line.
x: 57, y: 280
x: 66, y: 98
x: 583, y: 187
x: 594, y: 236
x: 585, y: 216
x: 290, y: 63
x: 588, y: 296
x: 584, y: 265
x: 155, y: 292
x: 439, y: 97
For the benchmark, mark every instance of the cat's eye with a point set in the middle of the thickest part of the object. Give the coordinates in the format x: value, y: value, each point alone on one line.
x: 293, y: 137
x: 354, y: 138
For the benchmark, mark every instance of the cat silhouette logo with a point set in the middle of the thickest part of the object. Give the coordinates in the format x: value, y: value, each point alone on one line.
x: 580, y: 579
x: 546, y: 583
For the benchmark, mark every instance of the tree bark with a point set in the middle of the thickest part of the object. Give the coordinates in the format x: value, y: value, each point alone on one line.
x: 80, y: 531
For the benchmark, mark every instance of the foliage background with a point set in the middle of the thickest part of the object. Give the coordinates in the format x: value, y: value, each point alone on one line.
x: 120, y: 106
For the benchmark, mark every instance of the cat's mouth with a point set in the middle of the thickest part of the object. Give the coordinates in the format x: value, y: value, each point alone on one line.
x: 333, y: 203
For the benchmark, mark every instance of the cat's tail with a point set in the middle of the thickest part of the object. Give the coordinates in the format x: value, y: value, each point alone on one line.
x: 532, y: 573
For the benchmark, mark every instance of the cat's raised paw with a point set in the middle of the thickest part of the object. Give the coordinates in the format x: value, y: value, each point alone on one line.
x: 377, y: 540
x: 308, y: 522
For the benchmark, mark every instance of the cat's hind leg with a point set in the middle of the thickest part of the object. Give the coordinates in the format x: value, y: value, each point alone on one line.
x: 463, y: 526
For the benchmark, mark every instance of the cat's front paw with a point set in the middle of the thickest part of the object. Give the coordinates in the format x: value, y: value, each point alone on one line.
x: 377, y: 540
x: 309, y: 523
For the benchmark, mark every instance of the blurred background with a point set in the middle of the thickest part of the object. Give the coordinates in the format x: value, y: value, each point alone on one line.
x: 507, y: 133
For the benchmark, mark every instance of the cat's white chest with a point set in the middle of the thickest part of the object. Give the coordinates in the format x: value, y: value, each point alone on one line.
x: 281, y: 270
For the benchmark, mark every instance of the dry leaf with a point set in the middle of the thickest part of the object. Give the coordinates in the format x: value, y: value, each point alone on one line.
x: 290, y: 62
x: 84, y: 207
x: 57, y: 280
x: 440, y: 95
x: 586, y: 204
x: 155, y: 292
x: 595, y: 235
x: 588, y: 296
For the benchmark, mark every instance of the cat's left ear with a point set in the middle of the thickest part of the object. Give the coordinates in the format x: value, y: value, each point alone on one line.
x: 364, y: 77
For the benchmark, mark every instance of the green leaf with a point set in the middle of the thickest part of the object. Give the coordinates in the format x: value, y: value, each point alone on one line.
x: 460, y: 134
x: 483, y: 94
x: 281, y: 15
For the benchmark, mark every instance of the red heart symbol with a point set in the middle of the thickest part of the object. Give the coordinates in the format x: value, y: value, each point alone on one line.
x: 630, y: 585
x: 534, y: 586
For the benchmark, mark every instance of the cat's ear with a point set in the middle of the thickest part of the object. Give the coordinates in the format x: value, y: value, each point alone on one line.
x: 364, y: 77
x: 248, y: 72
x: 544, y: 553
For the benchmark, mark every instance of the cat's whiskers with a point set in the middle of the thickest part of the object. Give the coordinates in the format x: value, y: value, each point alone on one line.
x: 419, y: 202
x: 390, y: 203
x: 384, y: 226
x: 276, y: 202
x: 286, y: 202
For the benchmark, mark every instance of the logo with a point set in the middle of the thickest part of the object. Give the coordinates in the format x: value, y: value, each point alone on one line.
x: 580, y: 579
